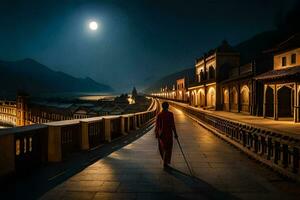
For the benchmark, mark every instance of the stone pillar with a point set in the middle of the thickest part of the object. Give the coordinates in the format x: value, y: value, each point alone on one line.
x: 229, y: 99
x: 7, y: 155
x: 84, y: 136
x: 134, y: 122
x: 138, y: 120
x: 54, y: 144
x: 296, y: 103
x: 265, y: 100
x: 218, y: 98
x: 252, y: 99
x: 122, y: 125
x: 275, y: 103
x: 239, y: 97
x: 128, y: 125
x: 205, y: 96
x: 107, y: 129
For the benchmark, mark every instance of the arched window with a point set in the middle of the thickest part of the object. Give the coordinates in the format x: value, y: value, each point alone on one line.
x: 201, y: 75
x: 211, y: 72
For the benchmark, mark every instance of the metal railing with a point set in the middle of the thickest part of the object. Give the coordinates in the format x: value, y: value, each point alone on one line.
x: 23, y: 148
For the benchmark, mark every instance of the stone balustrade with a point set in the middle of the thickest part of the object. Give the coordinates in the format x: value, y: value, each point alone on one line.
x: 22, y: 148
x: 273, y: 149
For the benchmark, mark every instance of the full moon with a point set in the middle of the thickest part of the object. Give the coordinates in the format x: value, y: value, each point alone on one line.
x: 93, y: 25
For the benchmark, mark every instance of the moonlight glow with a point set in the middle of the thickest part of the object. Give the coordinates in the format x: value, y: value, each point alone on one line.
x: 93, y: 25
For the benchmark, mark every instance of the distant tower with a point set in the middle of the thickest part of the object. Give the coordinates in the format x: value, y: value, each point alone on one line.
x: 134, y: 93
x: 22, y: 99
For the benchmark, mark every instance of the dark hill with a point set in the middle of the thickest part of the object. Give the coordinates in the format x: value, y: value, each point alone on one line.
x: 169, y: 80
x: 33, y: 77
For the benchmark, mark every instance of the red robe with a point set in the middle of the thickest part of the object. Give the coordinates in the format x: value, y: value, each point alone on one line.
x: 165, y: 126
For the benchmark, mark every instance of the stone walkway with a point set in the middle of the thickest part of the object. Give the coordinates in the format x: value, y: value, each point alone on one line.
x: 135, y: 172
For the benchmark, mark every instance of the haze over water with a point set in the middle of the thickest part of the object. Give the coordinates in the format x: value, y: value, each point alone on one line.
x: 88, y: 96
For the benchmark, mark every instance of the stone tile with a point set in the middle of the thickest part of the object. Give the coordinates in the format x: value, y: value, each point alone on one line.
x: 156, y: 196
x: 115, y: 196
x: 109, y: 186
x: 78, y: 195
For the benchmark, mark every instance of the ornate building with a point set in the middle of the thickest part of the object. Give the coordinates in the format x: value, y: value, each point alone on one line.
x: 268, y: 85
x: 239, y: 91
x: 281, y: 96
x: 181, y: 90
x: 210, y: 70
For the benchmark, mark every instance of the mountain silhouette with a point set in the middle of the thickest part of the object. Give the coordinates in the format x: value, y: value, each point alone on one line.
x: 33, y: 77
x: 170, y: 80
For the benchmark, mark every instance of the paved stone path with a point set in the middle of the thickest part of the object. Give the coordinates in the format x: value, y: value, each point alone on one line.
x: 135, y: 172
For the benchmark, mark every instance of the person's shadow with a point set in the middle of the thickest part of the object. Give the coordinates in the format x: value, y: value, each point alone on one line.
x: 198, y: 186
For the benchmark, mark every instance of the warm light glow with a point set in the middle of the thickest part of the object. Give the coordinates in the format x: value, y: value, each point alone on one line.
x: 130, y: 100
x: 93, y: 25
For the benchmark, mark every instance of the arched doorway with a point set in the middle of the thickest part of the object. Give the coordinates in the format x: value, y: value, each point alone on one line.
x: 202, y: 98
x: 234, y: 99
x: 245, y: 96
x: 211, y: 97
x: 269, y: 103
x: 285, y: 102
x: 226, y: 100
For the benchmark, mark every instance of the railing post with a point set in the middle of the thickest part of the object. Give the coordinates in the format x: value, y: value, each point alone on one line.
x: 134, y: 122
x: 107, y: 129
x: 54, y: 144
x: 295, y: 159
x: 277, y: 152
x: 122, y: 125
x: 128, y: 124
x: 284, y: 154
x: 138, y: 120
x: 270, y: 147
x: 7, y: 155
x: 84, y: 135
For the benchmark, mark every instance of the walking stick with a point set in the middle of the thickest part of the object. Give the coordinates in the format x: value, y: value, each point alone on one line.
x: 184, y: 157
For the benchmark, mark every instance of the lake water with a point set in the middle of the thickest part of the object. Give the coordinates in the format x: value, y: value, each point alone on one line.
x: 88, y: 96
x: 95, y: 97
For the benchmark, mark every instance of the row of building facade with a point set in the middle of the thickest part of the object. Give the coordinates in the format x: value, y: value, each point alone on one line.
x: 23, y: 112
x: 26, y: 111
x: 266, y: 86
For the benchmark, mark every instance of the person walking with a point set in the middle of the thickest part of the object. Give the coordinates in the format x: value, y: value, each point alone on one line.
x: 165, y: 127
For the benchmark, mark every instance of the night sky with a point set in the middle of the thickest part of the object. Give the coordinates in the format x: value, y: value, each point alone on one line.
x: 138, y: 41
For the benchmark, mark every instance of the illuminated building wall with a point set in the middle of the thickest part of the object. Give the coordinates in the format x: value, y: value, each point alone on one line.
x: 8, y: 112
